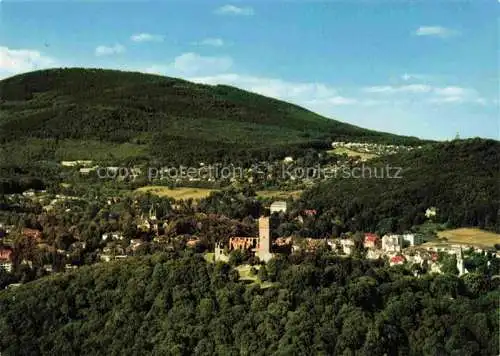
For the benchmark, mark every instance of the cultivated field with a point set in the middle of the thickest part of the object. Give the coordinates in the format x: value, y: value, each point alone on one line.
x: 470, y: 236
x: 198, y: 193
x: 279, y: 194
x: 176, y: 193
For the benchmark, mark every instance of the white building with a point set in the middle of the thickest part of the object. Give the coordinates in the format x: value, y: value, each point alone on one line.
x: 113, y: 236
x: 278, y: 206
x: 411, y: 239
x: 347, y: 246
x: 392, y: 243
x: 430, y: 212
x: 29, y: 193
x: 6, y: 265
x: 87, y: 170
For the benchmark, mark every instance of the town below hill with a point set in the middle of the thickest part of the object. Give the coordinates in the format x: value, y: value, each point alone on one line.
x: 199, y: 219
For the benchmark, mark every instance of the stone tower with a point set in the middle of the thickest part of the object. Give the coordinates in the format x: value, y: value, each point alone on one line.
x: 460, y: 262
x: 264, y: 249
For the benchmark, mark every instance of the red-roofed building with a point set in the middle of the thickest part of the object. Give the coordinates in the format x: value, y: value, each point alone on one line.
x: 5, y: 253
x: 6, y: 258
x: 397, y: 260
x: 32, y: 234
x: 193, y: 242
x: 310, y: 212
x: 371, y: 240
x: 283, y: 241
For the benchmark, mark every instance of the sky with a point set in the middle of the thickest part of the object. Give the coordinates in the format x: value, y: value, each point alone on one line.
x: 421, y: 68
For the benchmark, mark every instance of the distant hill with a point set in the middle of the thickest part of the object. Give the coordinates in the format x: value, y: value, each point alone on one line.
x: 97, y: 114
x: 460, y: 178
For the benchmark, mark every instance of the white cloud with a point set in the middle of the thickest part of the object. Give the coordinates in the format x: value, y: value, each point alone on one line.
x: 297, y: 92
x: 453, y: 91
x: 214, y: 42
x: 413, y: 77
x: 387, y: 89
x: 435, y: 31
x: 146, y: 37
x: 234, y: 10
x: 453, y: 94
x: 192, y: 64
x: 14, y: 61
x: 428, y: 93
x: 336, y: 100
x: 109, y: 50
x: 447, y: 99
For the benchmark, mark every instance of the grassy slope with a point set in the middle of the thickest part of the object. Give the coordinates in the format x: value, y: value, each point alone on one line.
x: 198, y: 193
x: 470, y: 236
x: 176, y: 193
x: 88, y: 113
x: 352, y: 153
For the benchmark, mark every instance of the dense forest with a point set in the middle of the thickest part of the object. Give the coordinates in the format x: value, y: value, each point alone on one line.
x: 98, y: 114
x: 173, y: 304
x: 460, y: 178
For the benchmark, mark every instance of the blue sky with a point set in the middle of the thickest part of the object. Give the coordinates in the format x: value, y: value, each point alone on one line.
x: 428, y: 69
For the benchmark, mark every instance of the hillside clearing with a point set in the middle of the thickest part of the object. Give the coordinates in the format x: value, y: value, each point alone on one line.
x: 246, y: 275
x: 351, y: 153
x: 279, y: 194
x: 176, y: 193
x: 471, y: 236
x: 199, y: 193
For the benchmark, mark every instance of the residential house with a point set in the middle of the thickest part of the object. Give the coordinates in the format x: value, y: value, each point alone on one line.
x: 87, y: 170
x: 75, y: 163
x: 32, y: 234
x: 347, y: 246
x: 374, y: 253
x: 78, y: 245
x: 397, y: 260
x: 193, y: 242
x: 372, y: 241
x: 6, y: 258
x: 29, y: 193
x: 283, y: 241
x: 310, y: 212
x: 306, y: 213
x: 112, y: 236
x: 411, y: 240
x: 135, y: 244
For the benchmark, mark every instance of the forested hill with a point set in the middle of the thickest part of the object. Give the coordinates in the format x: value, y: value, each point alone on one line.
x: 85, y: 113
x: 317, y: 305
x: 460, y: 178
